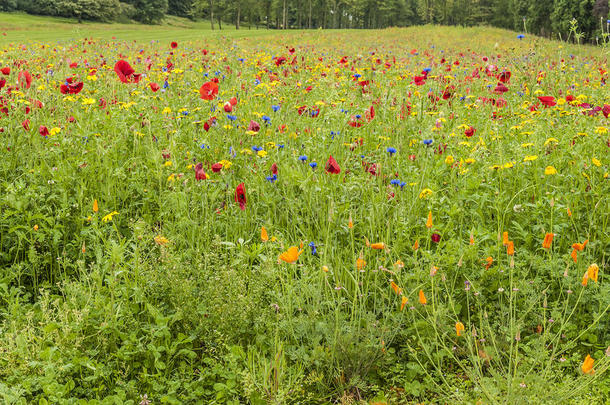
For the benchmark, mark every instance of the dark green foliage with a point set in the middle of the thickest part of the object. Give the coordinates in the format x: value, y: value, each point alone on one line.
x: 98, y: 10
x: 149, y: 11
x: 181, y: 8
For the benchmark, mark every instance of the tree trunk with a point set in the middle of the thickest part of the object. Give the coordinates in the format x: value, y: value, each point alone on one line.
x: 212, y: 13
x: 284, y: 16
x: 219, y: 23
x: 238, y: 15
x: 309, y: 14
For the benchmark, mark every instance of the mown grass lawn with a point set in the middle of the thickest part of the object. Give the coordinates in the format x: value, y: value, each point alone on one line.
x: 253, y: 216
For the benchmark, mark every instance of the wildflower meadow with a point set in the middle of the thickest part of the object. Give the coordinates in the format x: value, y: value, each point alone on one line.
x: 414, y: 215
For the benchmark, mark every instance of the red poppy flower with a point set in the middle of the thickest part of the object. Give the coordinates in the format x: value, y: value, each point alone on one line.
x: 44, y: 131
x: 174, y: 45
x: 436, y: 238
x: 469, y: 131
x: 26, y: 125
x: 274, y: 168
x: 199, y: 173
x: 500, y: 89
x: 208, y: 124
x: 6, y: 71
x: 606, y: 110
x: 504, y: 77
x: 24, y: 79
x: 125, y: 72
x: 419, y: 80
x: 71, y: 88
x: 240, y: 196
x: 216, y: 167
x: 233, y: 101
x: 254, y: 126
x: 332, y: 166
x: 2, y: 83
x: 208, y: 90
x: 154, y: 86
x: 548, y: 101
x: 228, y: 107
x: 280, y: 60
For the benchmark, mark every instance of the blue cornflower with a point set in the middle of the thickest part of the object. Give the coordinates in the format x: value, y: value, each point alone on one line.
x: 395, y: 182
x: 281, y: 146
x: 232, y: 117
x: 275, y: 108
x: 185, y: 113
x: 314, y: 250
x: 391, y: 150
x: 358, y: 116
x: 256, y: 148
x: 520, y: 36
x: 427, y: 70
x: 402, y: 184
x: 428, y: 141
x: 257, y: 82
x: 357, y: 75
x: 266, y: 119
x: 165, y: 85
x: 313, y: 165
x: 271, y: 178
x: 335, y: 133
x: 241, y: 60
x: 303, y: 158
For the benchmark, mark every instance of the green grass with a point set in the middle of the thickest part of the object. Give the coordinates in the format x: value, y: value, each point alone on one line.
x: 122, y: 274
x: 21, y: 27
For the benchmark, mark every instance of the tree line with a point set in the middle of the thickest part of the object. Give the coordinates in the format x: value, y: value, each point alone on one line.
x: 550, y: 18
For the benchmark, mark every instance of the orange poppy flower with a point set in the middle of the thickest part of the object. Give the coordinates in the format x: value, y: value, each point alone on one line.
x: 593, y: 272
x: 350, y: 223
x: 548, y: 239
x: 471, y: 239
x: 378, y: 246
x: 396, y: 288
x: 422, y: 298
x: 429, y: 221
x: 291, y: 255
x: 360, y: 263
x: 488, y: 262
x: 403, y: 302
x: 580, y: 246
x: 585, y: 279
x: 505, y: 238
x: 416, y: 245
x: 510, y: 248
x: 95, y: 206
x: 459, y: 328
x: 264, y: 235
x: 587, y: 365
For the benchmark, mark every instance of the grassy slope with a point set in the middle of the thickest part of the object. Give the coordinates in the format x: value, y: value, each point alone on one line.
x: 20, y: 27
